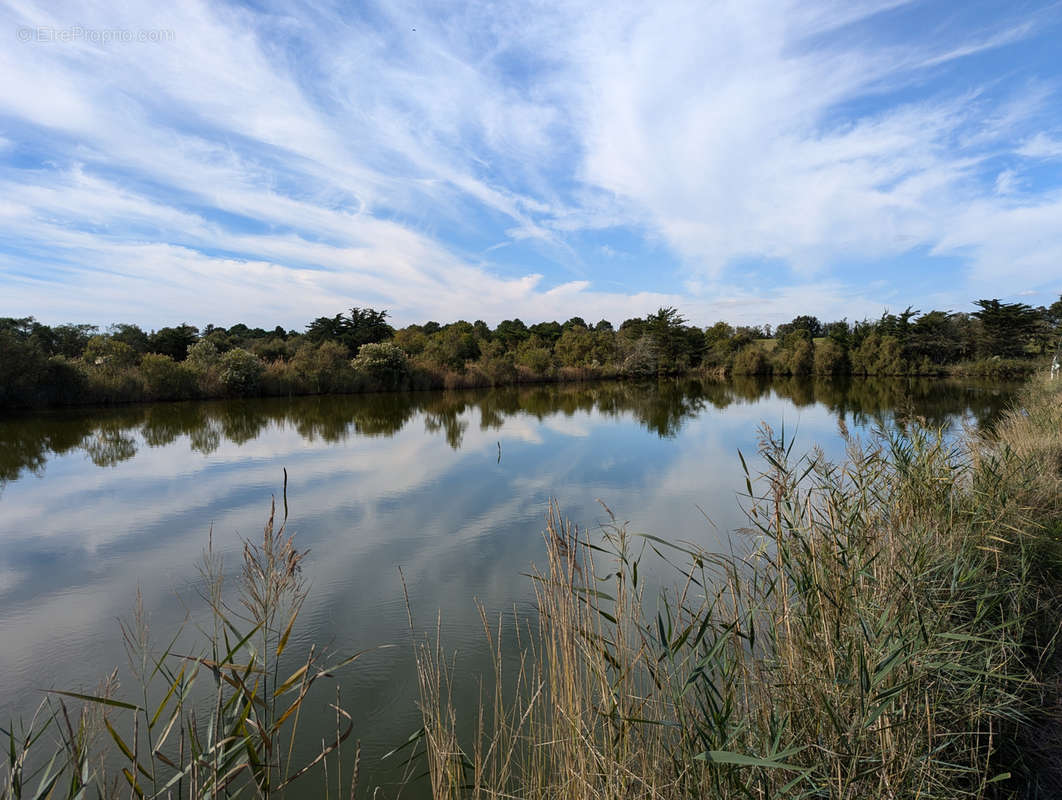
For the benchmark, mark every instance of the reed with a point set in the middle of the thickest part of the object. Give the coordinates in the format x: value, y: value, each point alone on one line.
x: 889, y: 630
x: 211, y: 713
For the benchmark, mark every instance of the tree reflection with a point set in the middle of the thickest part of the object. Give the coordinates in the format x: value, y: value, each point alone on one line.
x: 110, y: 436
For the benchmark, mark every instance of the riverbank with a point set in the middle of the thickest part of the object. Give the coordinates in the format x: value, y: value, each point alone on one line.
x: 59, y: 382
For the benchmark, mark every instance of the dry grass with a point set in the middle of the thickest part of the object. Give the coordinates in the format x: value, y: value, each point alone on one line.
x: 222, y: 721
x: 889, y: 632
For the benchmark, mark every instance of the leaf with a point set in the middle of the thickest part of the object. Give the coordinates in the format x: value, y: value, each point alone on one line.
x: 94, y: 699
x: 727, y: 757
x: 287, y: 631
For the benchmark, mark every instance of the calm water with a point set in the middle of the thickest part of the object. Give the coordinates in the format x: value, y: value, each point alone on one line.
x: 452, y: 487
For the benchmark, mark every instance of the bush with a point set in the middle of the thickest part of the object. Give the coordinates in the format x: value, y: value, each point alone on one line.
x: 323, y: 368
x: 534, y: 355
x: 203, y: 356
x: 23, y: 366
x: 830, y: 358
x: 240, y: 371
x: 644, y: 358
x: 383, y: 363
x: 109, y: 353
x: 165, y: 379
x: 752, y: 361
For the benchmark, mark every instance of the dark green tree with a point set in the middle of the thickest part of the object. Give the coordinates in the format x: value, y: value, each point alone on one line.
x: 1006, y: 328
x: 173, y: 342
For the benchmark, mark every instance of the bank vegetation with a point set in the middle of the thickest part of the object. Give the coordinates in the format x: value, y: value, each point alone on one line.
x: 360, y: 351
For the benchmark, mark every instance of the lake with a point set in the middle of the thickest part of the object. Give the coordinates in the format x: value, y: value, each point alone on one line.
x: 451, y: 487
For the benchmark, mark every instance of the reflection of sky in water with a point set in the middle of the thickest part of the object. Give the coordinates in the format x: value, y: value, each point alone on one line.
x: 77, y: 538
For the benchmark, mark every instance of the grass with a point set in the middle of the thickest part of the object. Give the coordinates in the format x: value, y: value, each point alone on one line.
x: 887, y: 629
x: 219, y: 720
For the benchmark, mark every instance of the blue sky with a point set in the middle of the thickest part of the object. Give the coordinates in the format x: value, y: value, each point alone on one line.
x: 748, y: 161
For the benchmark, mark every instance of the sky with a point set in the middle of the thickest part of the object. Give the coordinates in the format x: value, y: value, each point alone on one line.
x: 747, y: 161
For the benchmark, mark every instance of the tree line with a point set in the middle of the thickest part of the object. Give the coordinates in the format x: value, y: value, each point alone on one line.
x: 359, y: 350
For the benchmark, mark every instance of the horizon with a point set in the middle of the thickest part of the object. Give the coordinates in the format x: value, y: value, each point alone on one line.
x: 224, y: 164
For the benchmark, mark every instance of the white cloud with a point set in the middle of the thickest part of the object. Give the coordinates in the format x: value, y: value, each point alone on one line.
x: 271, y: 166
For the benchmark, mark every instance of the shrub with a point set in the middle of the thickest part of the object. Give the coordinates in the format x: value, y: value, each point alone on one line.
x: 830, y: 358
x: 323, y: 368
x: 22, y: 367
x: 752, y: 361
x: 165, y: 379
x: 382, y: 362
x: 203, y: 356
x: 109, y: 353
x: 240, y: 371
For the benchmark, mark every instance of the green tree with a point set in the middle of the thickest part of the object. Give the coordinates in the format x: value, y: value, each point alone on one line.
x: 511, y: 332
x: 70, y: 340
x: 1006, y: 328
x: 412, y: 340
x: 109, y: 353
x: 575, y: 347
x: 536, y: 355
x: 202, y: 356
x: 548, y: 332
x: 453, y: 346
x: 674, y: 349
x: 830, y: 358
x: 165, y: 379
x: 934, y: 336
x: 809, y: 324
x: 132, y: 335
x: 173, y: 342
x: 360, y: 326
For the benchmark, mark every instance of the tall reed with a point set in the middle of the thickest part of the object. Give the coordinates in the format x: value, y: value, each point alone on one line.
x: 219, y: 720
x: 889, y: 630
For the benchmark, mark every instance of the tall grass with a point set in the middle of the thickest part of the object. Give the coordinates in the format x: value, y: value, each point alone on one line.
x: 889, y: 631
x: 220, y: 719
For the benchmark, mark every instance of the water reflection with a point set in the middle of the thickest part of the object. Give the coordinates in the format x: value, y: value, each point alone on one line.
x: 110, y: 436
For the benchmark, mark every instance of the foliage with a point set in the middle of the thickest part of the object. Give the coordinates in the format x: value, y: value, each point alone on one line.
x: 173, y: 342
x: 109, y: 353
x: 165, y: 379
x: 453, y: 346
x: 202, y: 356
x: 1005, y: 328
x: 361, y: 326
x: 534, y: 354
x: 463, y: 354
x: 830, y: 358
x: 240, y: 371
x: 752, y: 360
x: 322, y: 368
x: 890, y: 631
x: 385, y: 364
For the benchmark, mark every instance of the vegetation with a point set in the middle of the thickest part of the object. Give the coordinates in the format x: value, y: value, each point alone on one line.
x: 43, y: 366
x: 220, y: 720
x: 889, y: 631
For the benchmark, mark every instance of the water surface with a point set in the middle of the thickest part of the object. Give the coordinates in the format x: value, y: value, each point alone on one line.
x: 453, y: 487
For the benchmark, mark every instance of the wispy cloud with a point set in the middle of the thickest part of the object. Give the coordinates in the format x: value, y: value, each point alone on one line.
x: 277, y: 163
